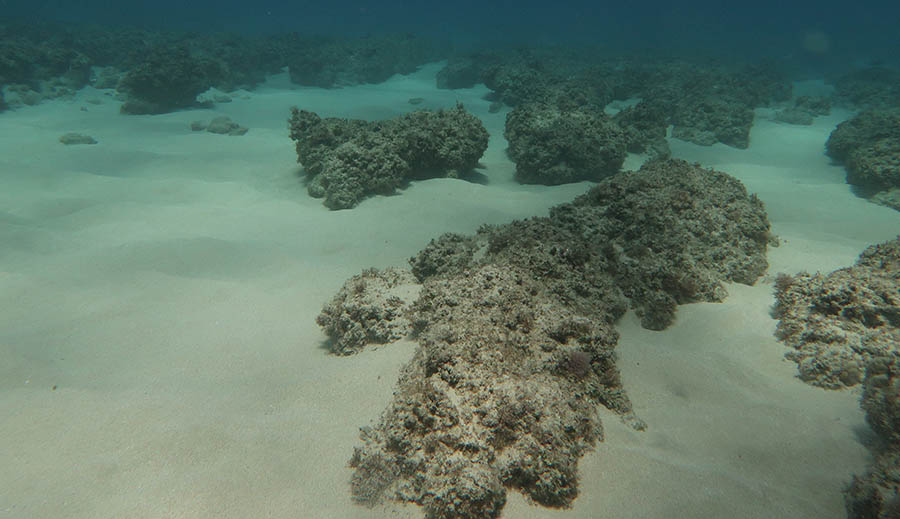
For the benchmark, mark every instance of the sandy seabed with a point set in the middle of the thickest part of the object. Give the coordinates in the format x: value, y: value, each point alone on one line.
x: 159, y: 355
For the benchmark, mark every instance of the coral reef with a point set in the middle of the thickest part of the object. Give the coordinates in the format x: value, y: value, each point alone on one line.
x: 794, y: 116
x: 49, y: 58
x: 837, y: 322
x: 516, y: 339
x: 889, y: 198
x: 813, y: 105
x: 553, y: 146
x: 348, y: 160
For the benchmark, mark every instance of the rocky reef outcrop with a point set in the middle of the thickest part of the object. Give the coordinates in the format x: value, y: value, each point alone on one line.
x: 168, y: 79
x: 335, y: 62
x: 552, y: 146
x: 844, y: 329
x: 706, y: 102
x: 516, y: 334
x: 836, y: 323
x: 872, y: 87
x: 868, y: 145
x: 349, y: 160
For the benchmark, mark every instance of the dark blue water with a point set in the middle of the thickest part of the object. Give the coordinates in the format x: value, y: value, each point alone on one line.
x: 866, y: 28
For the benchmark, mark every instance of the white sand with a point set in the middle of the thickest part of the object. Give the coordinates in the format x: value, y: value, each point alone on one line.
x: 167, y: 283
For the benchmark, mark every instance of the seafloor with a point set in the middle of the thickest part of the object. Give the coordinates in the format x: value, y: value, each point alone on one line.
x: 160, y: 356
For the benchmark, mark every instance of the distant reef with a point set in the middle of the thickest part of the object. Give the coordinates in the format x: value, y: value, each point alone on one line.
x: 157, y: 72
x: 868, y: 145
x: 553, y: 144
x: 871, y: 87
x: 335, y: 62
x: 167, y: 79
x: 705, y: 101
x: 348, y: 160
x: 516, y: 334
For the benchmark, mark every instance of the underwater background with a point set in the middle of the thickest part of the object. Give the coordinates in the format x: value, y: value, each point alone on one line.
x: 769, y: 28
x: 456, y: 260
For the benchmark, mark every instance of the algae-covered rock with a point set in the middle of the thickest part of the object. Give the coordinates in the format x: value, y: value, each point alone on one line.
x: 552, y: 146
x: 838, y: 322
x: 349, y: 160
x: 875, y: 494
x: 870, y: 87
x: 74, y: 138
x: 869, y: 147
x: 644, y: 126
x: 223, y: 125
x: 336, y: 62
x: 516, y: 337
x: 668, y: 234
x: 370, y: 308
x: 844, y: 328
x: 713, y: 119
x: 488, y: 402
x: 169, y: 78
